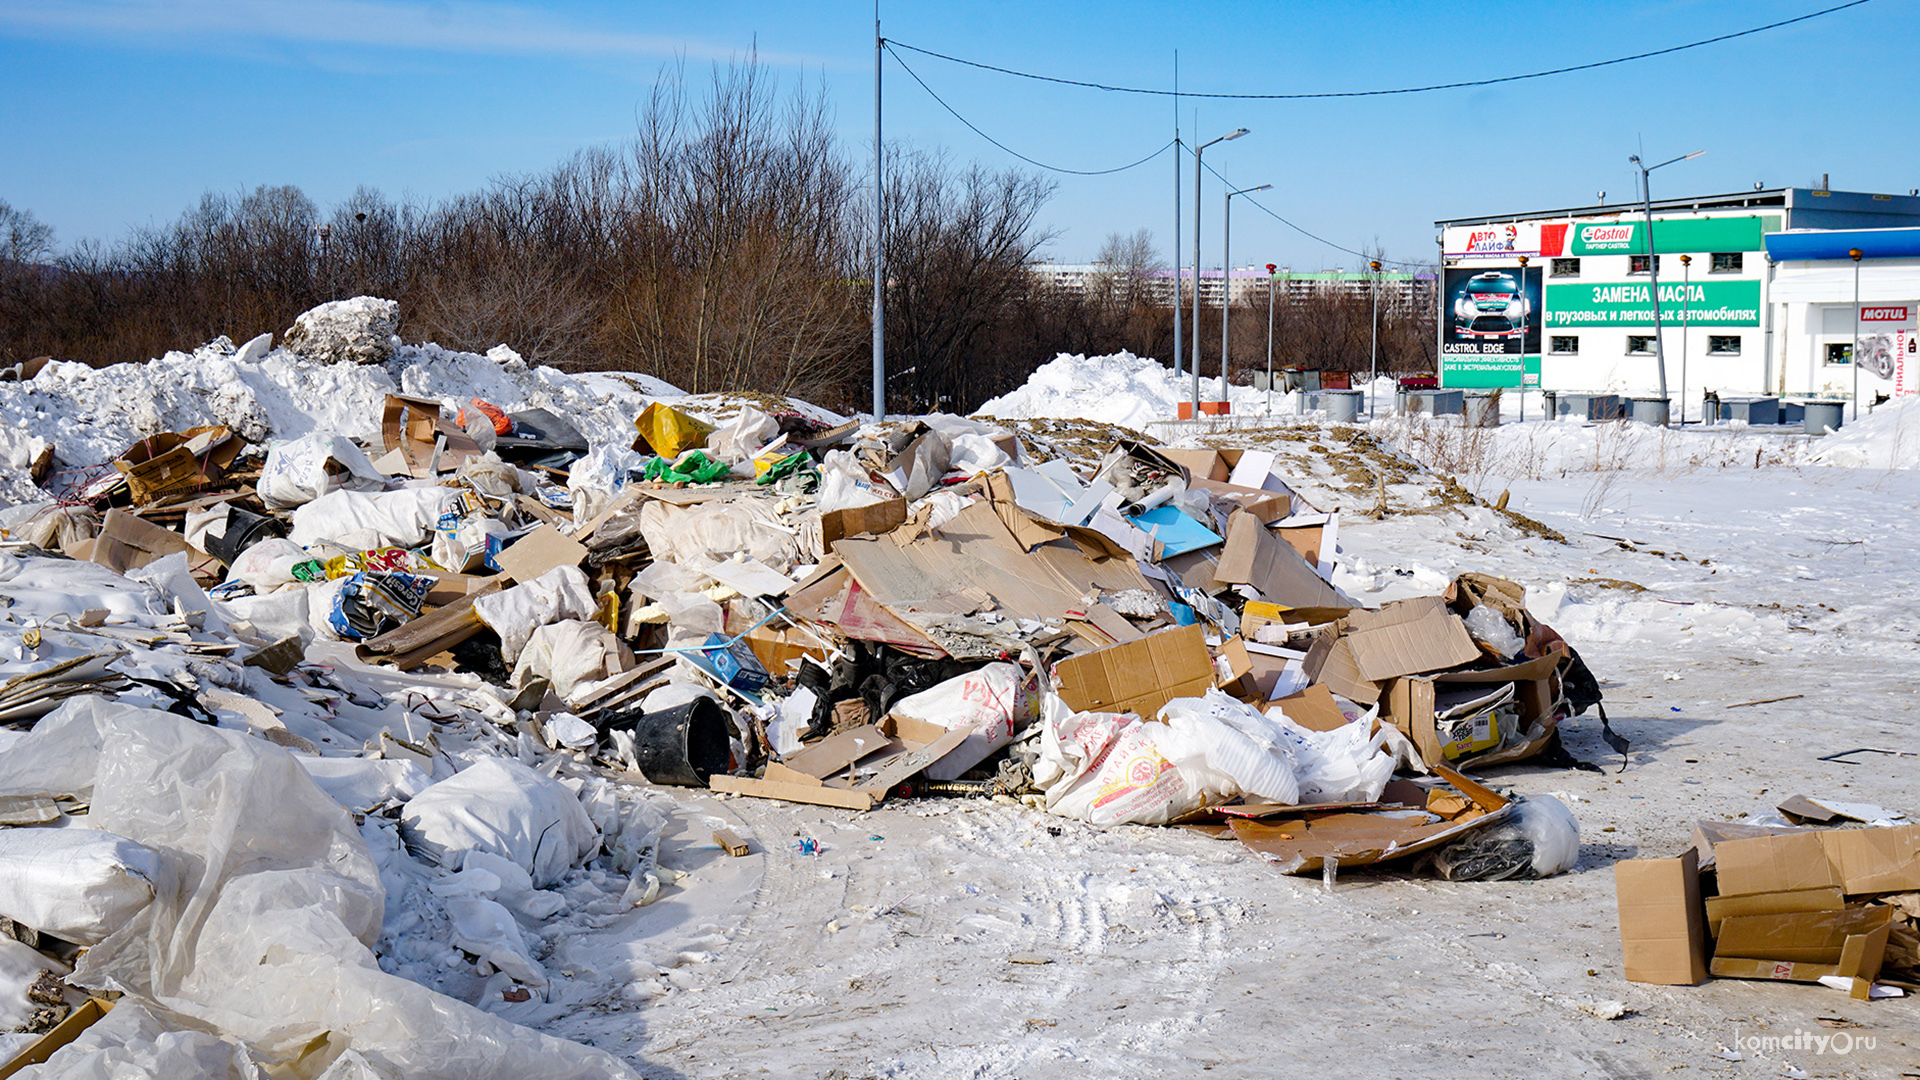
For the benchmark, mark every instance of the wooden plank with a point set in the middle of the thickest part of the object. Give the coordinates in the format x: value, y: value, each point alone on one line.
x: 731, y: 843
x: 766, y: 789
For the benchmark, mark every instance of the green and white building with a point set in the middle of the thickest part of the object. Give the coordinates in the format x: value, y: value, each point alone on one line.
x: 1564, y: 299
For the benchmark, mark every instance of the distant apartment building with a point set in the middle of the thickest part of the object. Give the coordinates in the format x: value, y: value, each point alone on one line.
x: 1399, y: 292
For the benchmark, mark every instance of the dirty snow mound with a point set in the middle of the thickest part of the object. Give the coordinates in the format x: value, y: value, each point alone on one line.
x: 1122, y: 388
x: 362, y: 330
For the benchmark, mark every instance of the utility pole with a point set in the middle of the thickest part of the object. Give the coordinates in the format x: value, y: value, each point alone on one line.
x: 879, y: 235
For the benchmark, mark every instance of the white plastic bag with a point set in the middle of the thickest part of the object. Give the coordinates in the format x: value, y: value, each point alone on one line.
x: 467, y: 544
x: 301, y: 470
x: 975, y: 454
x: 845, y: 484
x: 403, y: 518
x: 77, y: 884
x: 559, y: 594
x: 1539, y: 838
x: 505, y: 808
x: 594, y: 480
x: 273, y: 564
x: 1347, y: 764
x: 749, y: 430
x: 1227, y: 748
x: 574, y: 656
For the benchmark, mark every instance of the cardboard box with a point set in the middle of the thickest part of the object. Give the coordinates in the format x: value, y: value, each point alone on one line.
x: 1722, y: 908
x: 129, y: 542
x: 1856, y: 861
x: 1203, y: 464
x: 413, y: 426
x: 1663, y: 925
x: 778, y: 646
x: 1254, y: 556
x: 1137, y: 676
x: 1409, y: 705
x: 60, y: 1035
x: 1805, y: 946
x: 176, y: 463
x: 1268, y: 506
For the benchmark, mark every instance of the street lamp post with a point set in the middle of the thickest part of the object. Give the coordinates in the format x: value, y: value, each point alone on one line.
x: 1373, y: 366
x: 1855, y: 254
x: 1197, y: 151
x: 1686, y: 328
x: 1270, y: 269
x: 1526, y: 316
x: 1226, y: 277
x: 1653, y: 271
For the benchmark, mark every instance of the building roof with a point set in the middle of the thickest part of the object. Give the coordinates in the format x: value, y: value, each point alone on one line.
x: 1820, y: 244
x: 1834, y: 209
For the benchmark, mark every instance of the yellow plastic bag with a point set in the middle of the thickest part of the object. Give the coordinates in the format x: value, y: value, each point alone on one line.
x: 669, y: 431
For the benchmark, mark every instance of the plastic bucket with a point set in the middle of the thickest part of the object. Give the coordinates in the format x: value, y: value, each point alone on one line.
x: 1650, y: 410
x: 244, y: 529
x: 682, y: 745
x: 1481, y: 410
x: 1821, y: 415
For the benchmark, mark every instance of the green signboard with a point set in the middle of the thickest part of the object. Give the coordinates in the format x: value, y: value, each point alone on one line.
x: 1670, y: 236
x: 1697, y: 303
x: 1458, y: 372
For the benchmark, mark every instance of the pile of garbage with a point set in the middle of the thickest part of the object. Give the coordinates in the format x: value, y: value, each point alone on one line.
x: 332, y: 738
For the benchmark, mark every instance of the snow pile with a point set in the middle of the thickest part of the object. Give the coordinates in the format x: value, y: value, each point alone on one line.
x: 1886, y: 438
x: 1132, y: 391
x: 363, y: 330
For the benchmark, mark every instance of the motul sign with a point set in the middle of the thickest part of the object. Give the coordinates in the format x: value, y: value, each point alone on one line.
x: 1883, y: 314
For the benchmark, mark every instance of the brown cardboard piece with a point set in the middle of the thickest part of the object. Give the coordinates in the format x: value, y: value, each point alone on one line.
x: 1663, y: 925
x: 1254, y: 556
x: 67, y: 1030
x: 1851, y: 942
x: 1300, y: 845
x: 889, y: 753
x: 1721, y: 908
x: 876, y: 519
x: 1137, y: 676
x: 1268, y: 506
x: 1433, y: 643
x: 1856, y: 861
x: 1331, y: 662
x: 173, y: 463
x: 1203, y: 464
x: 1313, y: 709
x: 413, y: 426
x: 129, y: 542
x: 538, y: 552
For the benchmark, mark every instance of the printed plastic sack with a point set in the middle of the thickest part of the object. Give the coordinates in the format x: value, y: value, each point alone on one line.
x: 574, y: 656
x: 385, y: 560
x: 77, y: 884
x: 1104, y: 769
x: 404, y: 518
x: 1347, y: 764
x: 1227, y: 748
x: 994, y: 703
x: 669, y: 431
x: 301, y: 470
x: 468, y: 543
x: 370, y: 604
x: 507, y: 809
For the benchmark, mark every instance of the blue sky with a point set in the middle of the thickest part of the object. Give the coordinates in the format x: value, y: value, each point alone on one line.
x: 122, y: 112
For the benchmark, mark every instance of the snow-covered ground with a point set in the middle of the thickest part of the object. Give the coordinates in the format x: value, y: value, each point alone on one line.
x: 1699, y: 570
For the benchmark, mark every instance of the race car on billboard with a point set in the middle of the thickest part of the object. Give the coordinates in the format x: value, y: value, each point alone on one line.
x: 1491, y: 305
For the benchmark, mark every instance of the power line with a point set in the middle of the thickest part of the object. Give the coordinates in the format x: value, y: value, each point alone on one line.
x: 1382, y: 93
x: 1041, y: 164
x: 1218, y: 175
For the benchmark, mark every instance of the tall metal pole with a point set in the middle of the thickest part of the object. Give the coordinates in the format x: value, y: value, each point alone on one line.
x: 1686, y: 328
x: 1653, y: 269
x: 1373, y: 367
x: 879, y: 235
x: 1197, y: 151
x: 1269, y: 339
x: 1855, y: 254
x: 1178, y: 340
x: 1226, y: 279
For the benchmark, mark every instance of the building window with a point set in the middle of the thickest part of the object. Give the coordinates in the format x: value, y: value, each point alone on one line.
x: 1638, y: 265
x: 1727, y: 262
x: 1566, y: 268
x: 1567, y: 345
x: 1840, y: 352
x: 1723, y: 344
x: 1640, y: 345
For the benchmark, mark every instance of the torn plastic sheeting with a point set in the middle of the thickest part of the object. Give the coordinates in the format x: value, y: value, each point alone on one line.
x: 505, y: 808
x: 261, y: 927
x: 719, y: 530
x: 46, y: 584
x: 301, y: 470
x: 736, y: 441
x: 993, y: 704
x: 558, y: 595
x: 360, y: 783
x: 131, y: 1040
x: 487, y: 929
x: 77, y: 884
x: 1227, y: 749
x: 403, y: 518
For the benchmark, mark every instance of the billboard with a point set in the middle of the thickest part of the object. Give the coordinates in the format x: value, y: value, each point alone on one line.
x: 1490, y: 327
x: 1670, y: 236
x: 1491, y: 242
x: 1630, y: 303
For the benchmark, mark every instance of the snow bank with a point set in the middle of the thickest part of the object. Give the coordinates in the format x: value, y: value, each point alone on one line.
x: 1886, y: 438
x: 1132, y: 391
